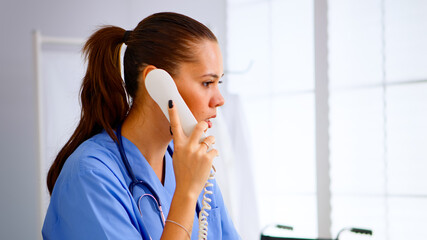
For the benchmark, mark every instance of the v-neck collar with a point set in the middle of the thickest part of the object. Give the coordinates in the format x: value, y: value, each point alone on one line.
x: 143, y: 171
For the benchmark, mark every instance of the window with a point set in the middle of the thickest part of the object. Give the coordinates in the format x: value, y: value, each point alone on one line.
x: 377, y: 111
x: 270, y: 59
x: 378, y: 116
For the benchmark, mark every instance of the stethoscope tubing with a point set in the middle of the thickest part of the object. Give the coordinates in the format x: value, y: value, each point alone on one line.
x: 125, y: 160
x: 135, y: 182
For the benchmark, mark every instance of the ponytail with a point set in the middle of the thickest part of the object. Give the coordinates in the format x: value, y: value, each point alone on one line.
x: 103, y: 97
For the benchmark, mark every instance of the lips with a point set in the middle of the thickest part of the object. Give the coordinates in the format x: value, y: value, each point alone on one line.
x: 209, y: 121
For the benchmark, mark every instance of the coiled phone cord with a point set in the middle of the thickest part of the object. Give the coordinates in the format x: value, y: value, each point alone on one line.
x: 203, y: 215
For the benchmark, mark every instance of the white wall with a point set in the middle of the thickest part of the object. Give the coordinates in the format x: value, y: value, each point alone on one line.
x: 18, y: 119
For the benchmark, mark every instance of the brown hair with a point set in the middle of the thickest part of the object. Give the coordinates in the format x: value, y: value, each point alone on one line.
x: 163, y: 40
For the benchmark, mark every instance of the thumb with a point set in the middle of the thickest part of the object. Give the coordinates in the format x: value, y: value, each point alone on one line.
x: 175, y: 121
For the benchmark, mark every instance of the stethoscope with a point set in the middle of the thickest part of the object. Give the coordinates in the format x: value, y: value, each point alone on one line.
x: 136, y: 182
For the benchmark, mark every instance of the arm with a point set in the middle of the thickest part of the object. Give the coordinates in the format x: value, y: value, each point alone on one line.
x: 192, y: 165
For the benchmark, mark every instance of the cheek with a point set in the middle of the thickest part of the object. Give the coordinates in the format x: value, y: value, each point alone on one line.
x: 195, y: 96
x: 196, y: 102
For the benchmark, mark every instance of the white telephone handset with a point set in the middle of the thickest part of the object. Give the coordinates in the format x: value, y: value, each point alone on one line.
x: 161, y: 87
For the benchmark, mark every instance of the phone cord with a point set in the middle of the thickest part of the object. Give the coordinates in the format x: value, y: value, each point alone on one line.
x: 203, y: 215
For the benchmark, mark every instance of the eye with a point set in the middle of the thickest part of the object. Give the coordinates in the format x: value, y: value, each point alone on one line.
x: 207, y: 83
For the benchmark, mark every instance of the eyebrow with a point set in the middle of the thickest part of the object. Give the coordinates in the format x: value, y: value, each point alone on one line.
x: 212, y: 75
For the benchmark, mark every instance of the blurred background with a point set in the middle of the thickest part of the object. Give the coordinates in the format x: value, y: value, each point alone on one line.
x: 325, y: 122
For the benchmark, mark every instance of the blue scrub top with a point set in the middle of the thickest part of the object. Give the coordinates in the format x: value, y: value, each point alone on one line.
x: 91, y: 199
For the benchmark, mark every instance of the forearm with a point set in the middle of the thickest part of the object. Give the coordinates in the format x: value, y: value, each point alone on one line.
x: 182, y: 213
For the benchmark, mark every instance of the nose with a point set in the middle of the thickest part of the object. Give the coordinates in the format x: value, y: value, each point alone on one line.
x: 217, y: 99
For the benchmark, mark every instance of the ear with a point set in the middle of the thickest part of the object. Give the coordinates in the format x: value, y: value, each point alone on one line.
x: 146, y: 70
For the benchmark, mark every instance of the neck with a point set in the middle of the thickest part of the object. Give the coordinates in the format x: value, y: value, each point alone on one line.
x: 148, y: 129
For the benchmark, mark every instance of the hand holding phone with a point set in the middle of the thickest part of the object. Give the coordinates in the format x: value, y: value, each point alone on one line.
x: 161, y: 87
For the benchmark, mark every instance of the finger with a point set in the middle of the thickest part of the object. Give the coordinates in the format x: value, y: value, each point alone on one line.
x: 208, y: 142
x: 198, y: 131
x: 209, y: 157
x: 176, y: 128
x: 212, y: 154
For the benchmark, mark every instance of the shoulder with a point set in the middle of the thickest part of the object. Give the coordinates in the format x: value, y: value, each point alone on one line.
x: 97, y: 157
x: 96, y: 153
x: 91, y: 174
x: 90, y: 198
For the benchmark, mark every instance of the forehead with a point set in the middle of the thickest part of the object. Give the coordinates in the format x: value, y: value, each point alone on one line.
x: 208, y: 59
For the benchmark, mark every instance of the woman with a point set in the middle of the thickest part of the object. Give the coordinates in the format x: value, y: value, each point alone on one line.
x: 89, y: 182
